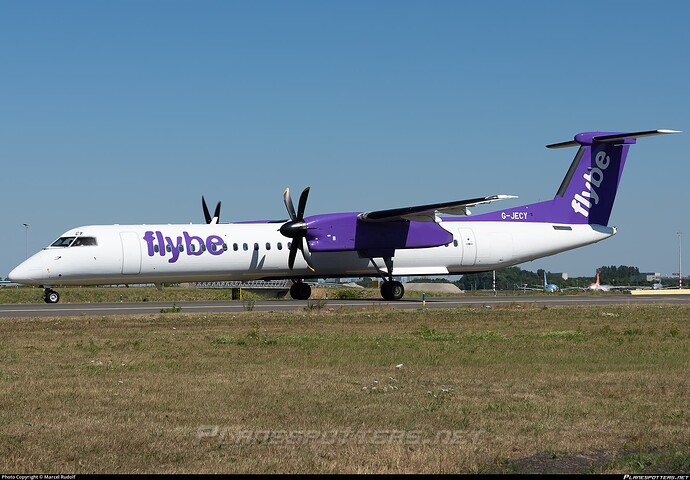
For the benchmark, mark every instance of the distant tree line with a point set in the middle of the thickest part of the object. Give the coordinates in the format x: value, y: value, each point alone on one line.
x: 514, y: 278
x: 618, y: 275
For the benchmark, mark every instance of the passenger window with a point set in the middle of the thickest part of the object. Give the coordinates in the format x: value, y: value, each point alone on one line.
x: 167, y: 248
x: 280, y: 246
x: 268, y: 246
x: 192, y: 248
x: 235, y: 247
x: 156, y: 248
x: 455, y: 243
x: 245, y: 247
x: 256, y: 246
x: 225, y: 247
x: 180, y: 247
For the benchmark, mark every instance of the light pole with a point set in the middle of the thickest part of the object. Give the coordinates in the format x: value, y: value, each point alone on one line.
x: 26, y: 225
x: 680, y: 260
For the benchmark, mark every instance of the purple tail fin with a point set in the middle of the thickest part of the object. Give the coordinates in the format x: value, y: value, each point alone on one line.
x: 588, y: 190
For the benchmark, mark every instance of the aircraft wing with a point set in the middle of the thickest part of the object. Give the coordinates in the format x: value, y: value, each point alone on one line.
x: 427, y: 213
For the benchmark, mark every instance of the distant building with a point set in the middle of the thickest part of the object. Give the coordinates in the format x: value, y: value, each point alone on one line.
x: 647, y: 277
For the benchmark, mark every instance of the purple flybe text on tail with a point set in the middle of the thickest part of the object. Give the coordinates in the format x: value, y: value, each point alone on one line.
x: 192, y: 245
x: 582, y: 202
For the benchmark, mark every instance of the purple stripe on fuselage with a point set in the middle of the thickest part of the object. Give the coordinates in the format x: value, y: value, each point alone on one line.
x: 343, y: 231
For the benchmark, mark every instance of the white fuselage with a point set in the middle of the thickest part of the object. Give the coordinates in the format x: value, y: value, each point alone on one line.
x: 134, y: 254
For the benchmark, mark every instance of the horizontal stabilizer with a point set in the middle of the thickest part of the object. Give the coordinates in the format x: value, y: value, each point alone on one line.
x: 603, y: 137
x: 623, y: 136
x: 427, y: 213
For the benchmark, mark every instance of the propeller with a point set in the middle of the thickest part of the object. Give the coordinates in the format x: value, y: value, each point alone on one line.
x: 216, y: 214
x: 296, y: 228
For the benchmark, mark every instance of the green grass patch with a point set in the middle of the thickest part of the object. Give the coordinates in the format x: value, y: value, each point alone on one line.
x: 387, y: 391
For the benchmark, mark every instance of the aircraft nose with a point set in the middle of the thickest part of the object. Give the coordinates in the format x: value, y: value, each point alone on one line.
x: 25, y: 273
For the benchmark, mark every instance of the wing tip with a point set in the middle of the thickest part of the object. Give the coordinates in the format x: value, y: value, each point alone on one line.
x: 502, y: 197
x: 662, y: 131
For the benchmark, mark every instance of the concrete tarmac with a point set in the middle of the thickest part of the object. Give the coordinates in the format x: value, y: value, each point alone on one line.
x: 409, y: 302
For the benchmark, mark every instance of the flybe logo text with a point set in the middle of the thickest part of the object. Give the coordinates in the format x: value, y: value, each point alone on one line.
x: 157, y: 243
x: 582, y: 202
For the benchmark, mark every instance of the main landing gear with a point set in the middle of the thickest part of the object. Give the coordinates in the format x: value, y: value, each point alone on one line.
x: 50, y: 296
x: 300, y: 290
x: 390, y: 289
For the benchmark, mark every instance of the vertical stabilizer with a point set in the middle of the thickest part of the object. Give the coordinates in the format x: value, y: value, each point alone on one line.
x: 588, y: 191
x: 589, y: 188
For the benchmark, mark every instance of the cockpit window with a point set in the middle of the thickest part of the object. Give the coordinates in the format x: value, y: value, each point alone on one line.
x: 74, y: 241
x: 63, y: 242
x: 82, y: 241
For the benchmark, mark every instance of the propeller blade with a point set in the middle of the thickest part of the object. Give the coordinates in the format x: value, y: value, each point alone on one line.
x: 302, y: 203
x: 306, y: 253
x: 216, y: 214
x: 288, y: 204
x: 207, y: 215
x: 293, y: 253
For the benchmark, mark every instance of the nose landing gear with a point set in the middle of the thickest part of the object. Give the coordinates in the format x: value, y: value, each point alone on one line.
x: 50, y: 296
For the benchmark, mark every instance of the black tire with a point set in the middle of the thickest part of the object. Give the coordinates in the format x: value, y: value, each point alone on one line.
x: 300, y: 291
x: 51, y: 296
x: 397, y: 290
x: 392, y: 290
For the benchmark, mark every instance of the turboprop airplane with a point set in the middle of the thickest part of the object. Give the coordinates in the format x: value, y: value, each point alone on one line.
x: 409, y: 241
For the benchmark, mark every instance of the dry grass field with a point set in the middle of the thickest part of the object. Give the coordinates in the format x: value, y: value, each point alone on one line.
x: 512, y: 389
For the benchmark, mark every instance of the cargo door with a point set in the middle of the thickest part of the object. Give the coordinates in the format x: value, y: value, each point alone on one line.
x: 469, y: 247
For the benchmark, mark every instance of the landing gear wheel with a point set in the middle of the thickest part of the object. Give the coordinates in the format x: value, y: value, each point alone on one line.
x: 392, y: 290
x: 51, y: 296
x: 300, y: 291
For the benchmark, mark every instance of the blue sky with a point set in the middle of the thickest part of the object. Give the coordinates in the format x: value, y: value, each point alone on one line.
x: 128, y: 111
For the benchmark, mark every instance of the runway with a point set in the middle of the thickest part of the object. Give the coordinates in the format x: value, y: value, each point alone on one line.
x: 143, y: 308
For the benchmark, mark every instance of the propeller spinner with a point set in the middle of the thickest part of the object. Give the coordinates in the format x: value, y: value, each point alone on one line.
x: 296, y: 228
